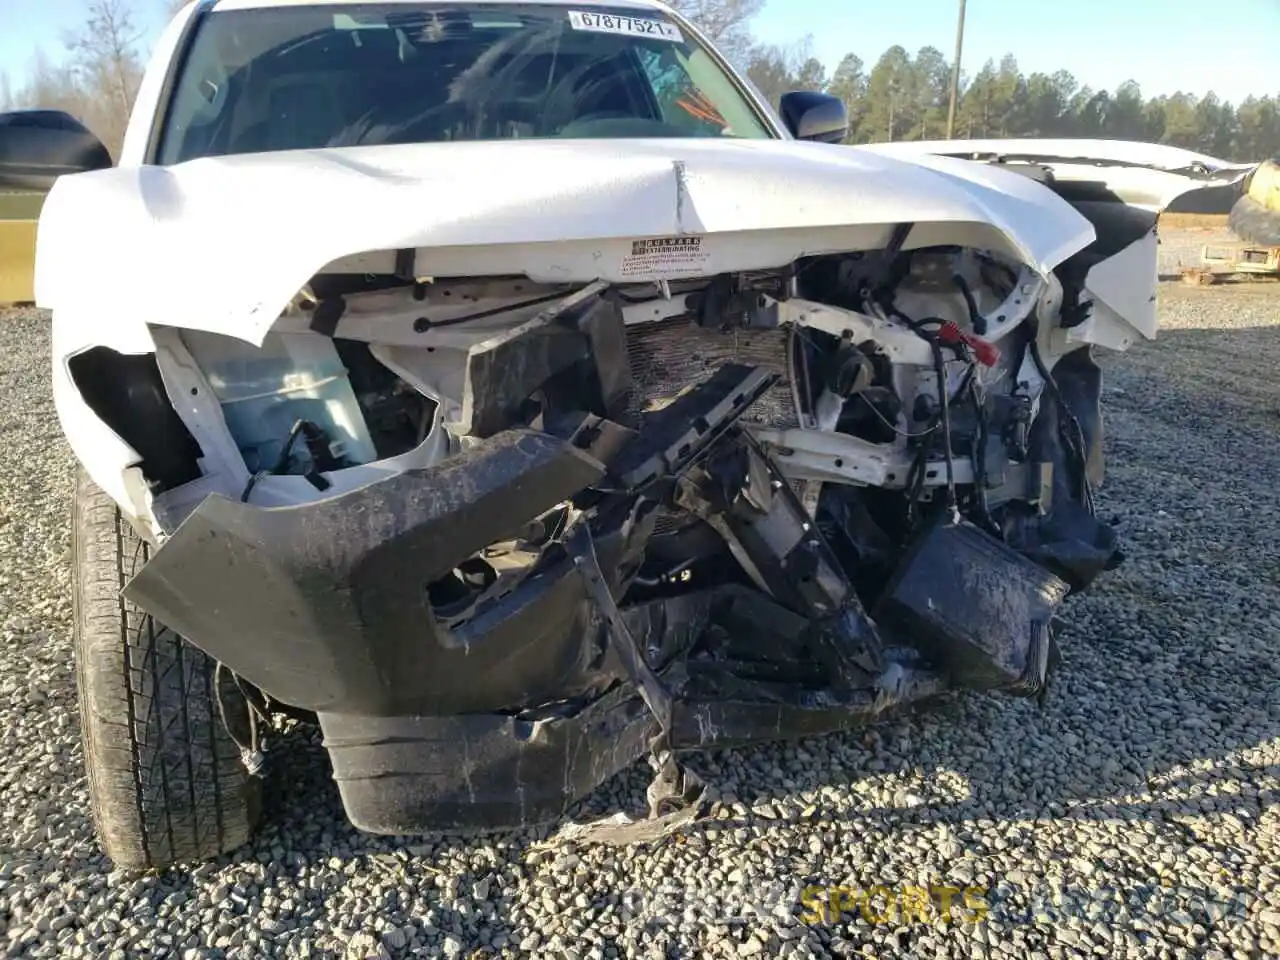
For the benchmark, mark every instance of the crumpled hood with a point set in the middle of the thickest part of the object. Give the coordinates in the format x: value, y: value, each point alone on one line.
x: 223, y: 244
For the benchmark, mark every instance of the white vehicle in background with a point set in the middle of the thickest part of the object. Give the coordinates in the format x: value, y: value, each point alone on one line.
x: 508, y: 389
x: 1153, y: 176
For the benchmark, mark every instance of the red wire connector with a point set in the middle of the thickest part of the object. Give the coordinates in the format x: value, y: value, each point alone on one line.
x: 984, y: 351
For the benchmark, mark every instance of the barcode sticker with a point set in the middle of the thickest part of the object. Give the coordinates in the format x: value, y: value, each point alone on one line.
x: 627, y: 26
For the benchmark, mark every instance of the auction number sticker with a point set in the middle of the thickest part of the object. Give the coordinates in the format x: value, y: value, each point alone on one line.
x: 664, y: 257
x: 627, y: 26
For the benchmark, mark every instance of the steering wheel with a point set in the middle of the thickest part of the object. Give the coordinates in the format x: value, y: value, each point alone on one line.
x: 567, y: 93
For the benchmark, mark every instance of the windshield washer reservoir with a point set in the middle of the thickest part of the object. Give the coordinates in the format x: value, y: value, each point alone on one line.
x: 264, y: 392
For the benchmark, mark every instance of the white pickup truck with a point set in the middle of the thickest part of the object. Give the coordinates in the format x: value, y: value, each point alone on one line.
x: 508, y: 389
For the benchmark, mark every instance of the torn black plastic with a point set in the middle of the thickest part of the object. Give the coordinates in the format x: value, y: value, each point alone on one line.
x: 575, y: 347
x: 1064, y: 535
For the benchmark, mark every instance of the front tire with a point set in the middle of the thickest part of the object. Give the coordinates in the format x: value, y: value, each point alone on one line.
x: 166, y: 783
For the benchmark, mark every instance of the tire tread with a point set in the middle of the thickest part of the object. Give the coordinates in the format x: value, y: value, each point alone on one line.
x: 166, y: 784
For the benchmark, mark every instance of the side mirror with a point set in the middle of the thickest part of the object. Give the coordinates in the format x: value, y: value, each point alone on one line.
x: 815, y: 116
x: 38, y: 146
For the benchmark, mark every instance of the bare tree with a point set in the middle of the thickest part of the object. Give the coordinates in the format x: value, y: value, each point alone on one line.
x: 7, y: 101
x: 776, y: 69
x: 727, y: 23
x: 107, y: 66
x: 52, y: 87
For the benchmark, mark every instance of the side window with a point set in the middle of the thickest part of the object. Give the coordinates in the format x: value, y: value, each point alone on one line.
x: 680, y: 101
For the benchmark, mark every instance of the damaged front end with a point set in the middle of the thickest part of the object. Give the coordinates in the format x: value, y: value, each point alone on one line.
x: 505, y: 538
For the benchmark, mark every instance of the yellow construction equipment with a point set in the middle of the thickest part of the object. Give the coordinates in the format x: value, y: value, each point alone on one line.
x: 36, y: 147
x: 18, y: 214
x: 1255, y: 218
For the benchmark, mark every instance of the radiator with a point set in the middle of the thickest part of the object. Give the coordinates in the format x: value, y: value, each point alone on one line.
x: 668, y: 355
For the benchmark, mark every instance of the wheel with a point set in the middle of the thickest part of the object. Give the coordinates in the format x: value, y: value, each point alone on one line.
x: 1252, y: 222
x: 166, y: 782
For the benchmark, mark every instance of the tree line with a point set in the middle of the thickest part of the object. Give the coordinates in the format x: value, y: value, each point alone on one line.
x: 906, y: 98
x: 901, y: 97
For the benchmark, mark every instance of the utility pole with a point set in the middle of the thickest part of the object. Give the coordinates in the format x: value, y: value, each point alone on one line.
x: 893, y: 96
x: 955, y: 75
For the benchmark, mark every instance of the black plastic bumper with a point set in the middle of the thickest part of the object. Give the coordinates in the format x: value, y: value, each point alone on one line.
x: 325, y: 606
x: 402, y: 775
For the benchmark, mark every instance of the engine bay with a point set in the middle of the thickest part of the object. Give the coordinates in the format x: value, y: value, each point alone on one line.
x: 903, y: 383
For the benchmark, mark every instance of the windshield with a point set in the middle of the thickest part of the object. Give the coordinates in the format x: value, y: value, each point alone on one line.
x: 296, y: 77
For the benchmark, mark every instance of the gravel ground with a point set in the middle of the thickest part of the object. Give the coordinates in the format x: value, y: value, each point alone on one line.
x: 1134, y: 815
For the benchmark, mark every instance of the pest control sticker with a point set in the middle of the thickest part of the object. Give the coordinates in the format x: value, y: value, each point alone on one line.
x: 627, y: 26
x: 664, y: 257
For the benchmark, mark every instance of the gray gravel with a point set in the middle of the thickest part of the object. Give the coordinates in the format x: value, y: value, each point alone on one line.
x: 1135, y: 815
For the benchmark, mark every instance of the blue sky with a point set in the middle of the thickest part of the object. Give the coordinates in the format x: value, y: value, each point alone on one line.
x: 1166, y: 45
x: 1232, y: 47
